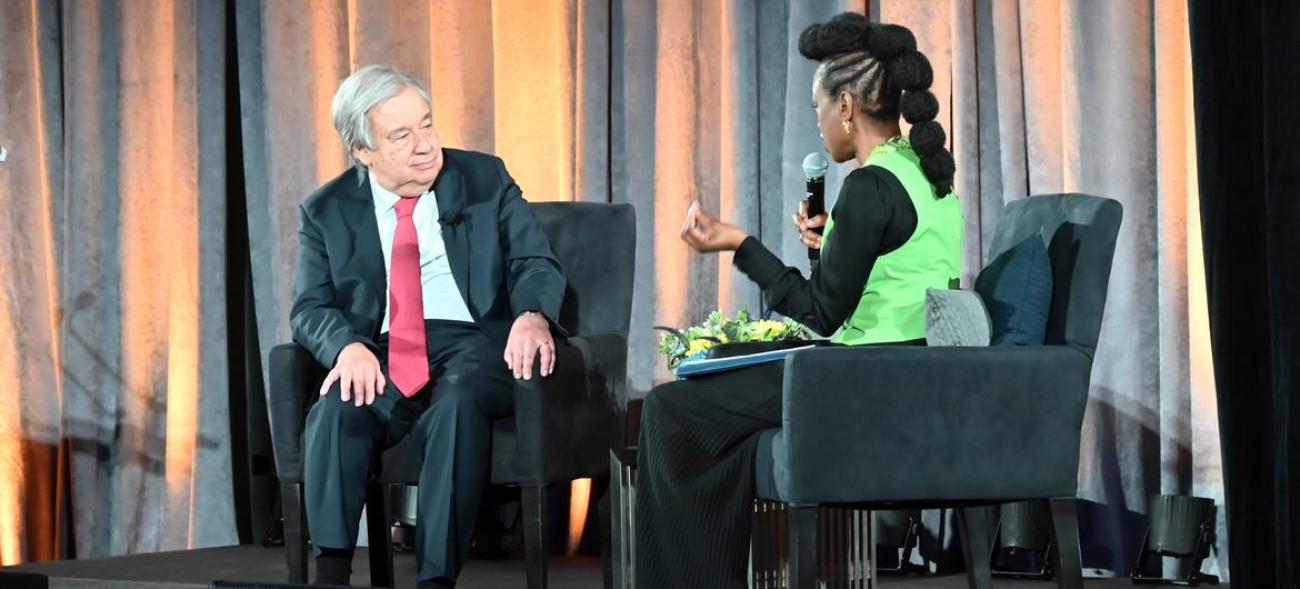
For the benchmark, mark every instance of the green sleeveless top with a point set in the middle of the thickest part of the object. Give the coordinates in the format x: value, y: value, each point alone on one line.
x: 892, y: 307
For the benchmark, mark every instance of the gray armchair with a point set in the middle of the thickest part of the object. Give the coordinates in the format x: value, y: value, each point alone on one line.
x: 563, y: 426
x: 965, y: 428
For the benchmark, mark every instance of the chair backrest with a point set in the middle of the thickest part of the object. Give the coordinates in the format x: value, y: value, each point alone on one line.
x: 1080, y: 232
x: 596, y: 246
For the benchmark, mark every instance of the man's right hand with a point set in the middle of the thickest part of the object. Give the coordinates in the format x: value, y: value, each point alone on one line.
x: 358, y: 374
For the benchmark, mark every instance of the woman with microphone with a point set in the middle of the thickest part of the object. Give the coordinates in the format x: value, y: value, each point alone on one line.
x: 894, y: 232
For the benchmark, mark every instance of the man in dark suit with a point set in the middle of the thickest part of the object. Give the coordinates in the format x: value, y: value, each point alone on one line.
x: 427, y: 287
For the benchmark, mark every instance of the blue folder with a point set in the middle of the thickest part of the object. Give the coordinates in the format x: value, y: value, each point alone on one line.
x: 694, y: 367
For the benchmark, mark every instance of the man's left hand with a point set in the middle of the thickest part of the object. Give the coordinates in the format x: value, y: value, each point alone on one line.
x: 530, y: 337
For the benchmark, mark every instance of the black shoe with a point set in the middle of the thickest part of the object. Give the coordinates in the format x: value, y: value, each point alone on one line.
x: 334, y: 570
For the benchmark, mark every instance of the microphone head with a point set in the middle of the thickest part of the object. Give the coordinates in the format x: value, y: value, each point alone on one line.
x: 814, y: 166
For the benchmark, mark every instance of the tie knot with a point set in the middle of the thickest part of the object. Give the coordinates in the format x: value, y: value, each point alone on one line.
x: 406, y: 205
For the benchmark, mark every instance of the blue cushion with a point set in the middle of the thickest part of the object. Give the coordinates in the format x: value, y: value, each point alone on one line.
x: 1017, y: 290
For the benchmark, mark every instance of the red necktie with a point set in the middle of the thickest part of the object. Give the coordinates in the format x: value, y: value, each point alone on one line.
x: 408, y: 361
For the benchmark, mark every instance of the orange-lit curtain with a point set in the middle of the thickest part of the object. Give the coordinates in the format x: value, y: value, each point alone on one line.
x: 710, y: 101
x: 113, y: 308
x: 1044, y: 96
x: 32, y: 454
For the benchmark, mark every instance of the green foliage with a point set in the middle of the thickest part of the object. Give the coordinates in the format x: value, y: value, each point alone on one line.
x: 677, y: 345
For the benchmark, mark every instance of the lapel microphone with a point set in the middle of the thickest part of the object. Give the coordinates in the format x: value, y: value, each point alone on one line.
x: 450, y: 218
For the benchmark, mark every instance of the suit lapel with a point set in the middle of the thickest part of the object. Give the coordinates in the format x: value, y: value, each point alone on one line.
x: 449, y: 189
x: 360, y: 205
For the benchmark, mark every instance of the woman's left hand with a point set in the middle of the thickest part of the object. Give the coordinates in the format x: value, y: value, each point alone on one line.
x: 809, y: 227
x: 706, y: 234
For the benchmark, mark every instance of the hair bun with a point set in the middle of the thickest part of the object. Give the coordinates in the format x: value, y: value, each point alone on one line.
x: 887, y: 42
x: 808, y: 46
x: 927, y: 138
x: 939, y: 169
x: 918, y: 106
x: 911, y: 71
x: 845, y: 33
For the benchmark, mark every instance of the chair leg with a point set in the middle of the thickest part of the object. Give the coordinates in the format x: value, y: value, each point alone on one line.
x: 295, y: 537
x: 972, y: 526
x: 803, y: 547
x: 379, y: 522
x: 601, y: 489
x: 534, y: 508
x: 621, y: 524
x: 1065, y: 542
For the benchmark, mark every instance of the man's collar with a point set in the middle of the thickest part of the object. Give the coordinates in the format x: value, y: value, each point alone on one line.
x: 385, y: 199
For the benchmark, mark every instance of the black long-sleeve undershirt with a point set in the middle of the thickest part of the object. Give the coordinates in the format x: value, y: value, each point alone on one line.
x: 873, y: 217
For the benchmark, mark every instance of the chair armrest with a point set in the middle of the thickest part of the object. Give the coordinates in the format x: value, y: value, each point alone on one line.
x: 295, y: 378
x: 566, y: 423
x: 916, y: 423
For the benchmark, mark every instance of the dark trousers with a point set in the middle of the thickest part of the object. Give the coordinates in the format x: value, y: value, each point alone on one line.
x: 452, y: 417
x: 695, y: 477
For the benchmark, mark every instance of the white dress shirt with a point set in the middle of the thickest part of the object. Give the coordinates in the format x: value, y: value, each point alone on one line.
x: 442, y: 298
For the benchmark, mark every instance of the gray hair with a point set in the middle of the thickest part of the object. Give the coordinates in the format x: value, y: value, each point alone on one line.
x: 361, y: 92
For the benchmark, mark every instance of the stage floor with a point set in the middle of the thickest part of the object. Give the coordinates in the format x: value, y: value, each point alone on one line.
x: 195, y: 568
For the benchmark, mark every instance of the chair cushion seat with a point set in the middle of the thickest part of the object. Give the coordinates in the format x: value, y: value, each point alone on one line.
x: 905, y: 423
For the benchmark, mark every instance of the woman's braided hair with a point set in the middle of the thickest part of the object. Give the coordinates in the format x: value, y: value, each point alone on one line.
x: 880, y: 65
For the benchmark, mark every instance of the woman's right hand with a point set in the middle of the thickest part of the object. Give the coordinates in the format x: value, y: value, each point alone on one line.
x: 706, y: 234
x: 805, y: 225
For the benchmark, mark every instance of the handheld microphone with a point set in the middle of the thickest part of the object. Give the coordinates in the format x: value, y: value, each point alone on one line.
x: 814, y: 173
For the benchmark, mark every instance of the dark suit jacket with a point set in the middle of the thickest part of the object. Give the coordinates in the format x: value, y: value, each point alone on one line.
x: 498, y: 254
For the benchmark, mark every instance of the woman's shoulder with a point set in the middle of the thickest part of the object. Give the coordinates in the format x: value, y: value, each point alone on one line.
x: 873, y: 197
x: 874, y: 184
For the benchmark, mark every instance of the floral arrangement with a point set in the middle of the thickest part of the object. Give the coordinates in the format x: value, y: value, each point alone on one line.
x: 677, y: 345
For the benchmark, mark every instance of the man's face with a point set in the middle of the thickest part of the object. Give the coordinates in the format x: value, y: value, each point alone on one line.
x: 407, y: 156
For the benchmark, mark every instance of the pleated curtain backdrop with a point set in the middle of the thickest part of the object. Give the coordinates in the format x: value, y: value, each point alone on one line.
x: 711, y: 101
x: 32, y: 453
x: 112, y: 318
x: 655, y: 103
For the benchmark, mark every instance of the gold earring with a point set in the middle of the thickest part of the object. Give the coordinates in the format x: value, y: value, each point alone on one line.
x: 848, y: 127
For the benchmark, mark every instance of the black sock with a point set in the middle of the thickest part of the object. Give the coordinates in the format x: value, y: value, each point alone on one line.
x: 334, y: 566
